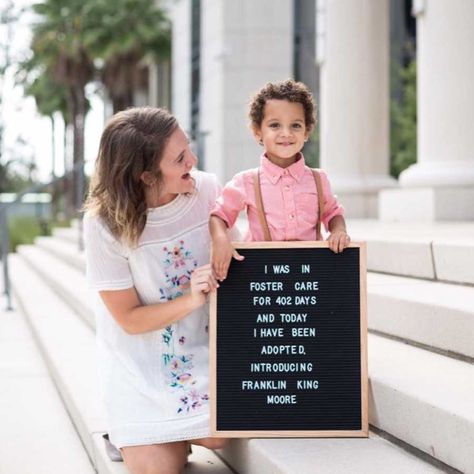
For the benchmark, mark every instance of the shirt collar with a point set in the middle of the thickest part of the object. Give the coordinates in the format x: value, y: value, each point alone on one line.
x: 274, y: 172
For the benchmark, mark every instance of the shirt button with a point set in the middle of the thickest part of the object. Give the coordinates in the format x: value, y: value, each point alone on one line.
x: 285, y: 172
x: 287, y: 187
x: 291, y: 216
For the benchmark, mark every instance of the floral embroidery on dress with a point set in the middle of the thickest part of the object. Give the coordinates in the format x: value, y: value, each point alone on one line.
x: 179, y: 265
x: 192, y: 401
x: 178, y: 373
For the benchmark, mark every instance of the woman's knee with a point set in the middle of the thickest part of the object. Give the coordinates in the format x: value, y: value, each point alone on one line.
x: 212, y: 443
x: 167, y: 458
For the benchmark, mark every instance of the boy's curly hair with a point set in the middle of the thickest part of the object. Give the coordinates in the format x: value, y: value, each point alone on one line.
x: 289, y: 90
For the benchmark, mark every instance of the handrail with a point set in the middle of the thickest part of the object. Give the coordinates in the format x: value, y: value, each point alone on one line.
x: 5, y: 240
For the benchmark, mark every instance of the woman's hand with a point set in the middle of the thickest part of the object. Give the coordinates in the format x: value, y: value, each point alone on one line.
x: 338, y: 240
x: 203, y: 281
x: 222, y: 253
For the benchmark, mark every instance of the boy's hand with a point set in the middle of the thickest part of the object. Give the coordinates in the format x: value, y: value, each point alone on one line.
x: 202, y: 283
x: 338, y: 240
x: 222, y: 253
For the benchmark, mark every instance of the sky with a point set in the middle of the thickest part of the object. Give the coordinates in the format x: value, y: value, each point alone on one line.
x: 21, y: 119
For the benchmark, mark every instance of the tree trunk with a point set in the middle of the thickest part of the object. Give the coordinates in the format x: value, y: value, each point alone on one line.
x: 54, y: 187
x: 69, y: 182
x: 79, y: 125
x: 123, y: 101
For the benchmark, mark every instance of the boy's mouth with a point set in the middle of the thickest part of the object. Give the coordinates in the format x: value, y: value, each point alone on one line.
x: 186, y: 176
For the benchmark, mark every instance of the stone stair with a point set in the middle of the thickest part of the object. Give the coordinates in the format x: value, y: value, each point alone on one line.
x: 56, y: 303
x: 421, y: 353
x: 36, y: 432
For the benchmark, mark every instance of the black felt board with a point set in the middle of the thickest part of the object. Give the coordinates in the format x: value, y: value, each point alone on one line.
x: 327, y: 363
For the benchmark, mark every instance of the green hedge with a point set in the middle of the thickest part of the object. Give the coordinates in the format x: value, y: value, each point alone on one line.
x: 23, y: 230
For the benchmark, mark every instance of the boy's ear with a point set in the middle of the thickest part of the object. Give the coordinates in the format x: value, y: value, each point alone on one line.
x: 148, y: 178
x: 257, y: 133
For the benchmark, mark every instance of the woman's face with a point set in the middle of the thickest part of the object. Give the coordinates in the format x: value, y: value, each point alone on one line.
x: 175, y: 166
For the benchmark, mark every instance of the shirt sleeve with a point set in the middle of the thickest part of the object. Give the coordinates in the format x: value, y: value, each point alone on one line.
x: 332, y: 208
x: 213, y: 189
x: 232, y: 200
x: 107, y: 265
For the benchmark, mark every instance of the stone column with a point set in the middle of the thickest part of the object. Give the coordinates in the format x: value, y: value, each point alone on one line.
x: 244, y: 44
x: 440, y: 186
x: 353, y: 52
x: 180, y: 12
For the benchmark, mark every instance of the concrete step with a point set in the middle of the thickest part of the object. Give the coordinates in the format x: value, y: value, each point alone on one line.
x: 424, y: 399
x: 384, y: 388
x: 324, y: 456
x: 68, y: 346
x: 69, y: 234
x: 67, y: 282
x: 425, y: 313
x: 36, y: 432
x: 405, y: 302
x: 65, y: 250
x: 439, y: 316
x: 438, y: 251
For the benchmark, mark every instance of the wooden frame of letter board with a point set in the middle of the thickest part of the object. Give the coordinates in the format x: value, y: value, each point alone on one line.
x: 364, y: 431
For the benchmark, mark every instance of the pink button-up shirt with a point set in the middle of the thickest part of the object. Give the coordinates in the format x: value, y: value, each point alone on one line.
x: 289, y: 198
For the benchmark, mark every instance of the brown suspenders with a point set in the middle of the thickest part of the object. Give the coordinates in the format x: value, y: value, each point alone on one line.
x: 261, y: 210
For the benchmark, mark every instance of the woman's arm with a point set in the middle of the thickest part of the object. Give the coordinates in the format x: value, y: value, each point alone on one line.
x: 136, y: 318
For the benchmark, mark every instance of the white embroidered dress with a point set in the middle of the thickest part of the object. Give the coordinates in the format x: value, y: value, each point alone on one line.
x: 154, y: 385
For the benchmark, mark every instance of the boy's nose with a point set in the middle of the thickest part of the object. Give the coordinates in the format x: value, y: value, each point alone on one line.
x: 287, y: 130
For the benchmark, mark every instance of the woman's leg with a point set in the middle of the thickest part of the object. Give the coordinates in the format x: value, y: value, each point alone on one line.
x: 211, y: 443
x: 167, y: 458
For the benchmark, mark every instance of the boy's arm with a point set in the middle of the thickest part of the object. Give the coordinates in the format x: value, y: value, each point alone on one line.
x: 338, y: 239
x: 221, y: 247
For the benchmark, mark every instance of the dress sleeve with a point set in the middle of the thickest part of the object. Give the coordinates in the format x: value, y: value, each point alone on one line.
x: 107, y: 265
x: 332, y: 208
x: 232, y: 200
x: 214, y: 189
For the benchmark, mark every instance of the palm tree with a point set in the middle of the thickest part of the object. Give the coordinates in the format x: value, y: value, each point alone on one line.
x: 58, y: 43
x: 120, y: 35
x: 50, y: 98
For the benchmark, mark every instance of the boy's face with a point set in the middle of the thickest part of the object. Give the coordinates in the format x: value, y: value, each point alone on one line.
x: 282, y: 131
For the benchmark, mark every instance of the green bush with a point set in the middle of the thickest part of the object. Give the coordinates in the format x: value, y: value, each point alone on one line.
x: 403, y: 123
x: 23, y: 230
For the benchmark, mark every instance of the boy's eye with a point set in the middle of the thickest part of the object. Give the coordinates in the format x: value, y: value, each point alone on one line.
x: 296, y: 125
x: 274, y: 125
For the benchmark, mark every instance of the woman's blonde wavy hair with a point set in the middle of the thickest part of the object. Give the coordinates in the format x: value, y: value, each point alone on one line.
x: 132, y: 143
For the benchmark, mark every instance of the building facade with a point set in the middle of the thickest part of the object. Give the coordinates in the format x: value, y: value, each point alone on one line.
x: 225, y: 51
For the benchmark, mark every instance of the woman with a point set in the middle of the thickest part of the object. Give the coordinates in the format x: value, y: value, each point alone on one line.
x: 147, y: 248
